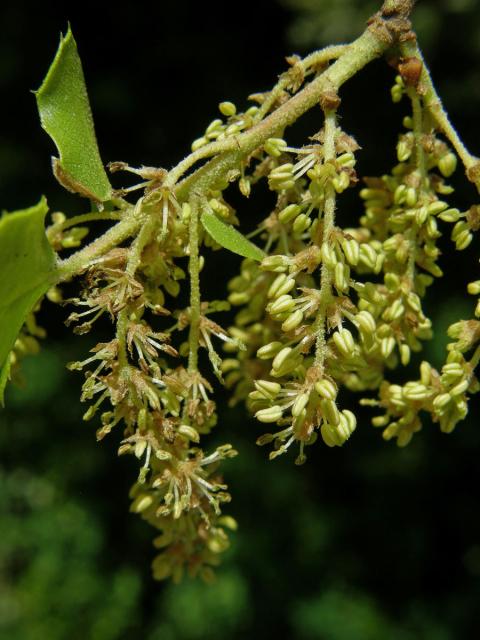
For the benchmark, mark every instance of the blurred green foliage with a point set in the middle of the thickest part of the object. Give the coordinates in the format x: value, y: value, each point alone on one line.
x: 363, y: 543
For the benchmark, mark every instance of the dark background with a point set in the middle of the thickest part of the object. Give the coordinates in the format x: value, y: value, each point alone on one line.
x: 364, y: 542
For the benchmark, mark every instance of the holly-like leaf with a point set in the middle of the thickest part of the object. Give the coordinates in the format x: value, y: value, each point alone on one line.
x: 28, y: 269
x: 65, y: 115
x: 229, y: 238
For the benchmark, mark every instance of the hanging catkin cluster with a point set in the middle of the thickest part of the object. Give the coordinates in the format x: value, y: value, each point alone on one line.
x: 318, y: 307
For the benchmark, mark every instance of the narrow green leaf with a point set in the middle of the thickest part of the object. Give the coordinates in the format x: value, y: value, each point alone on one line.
x: 229, y: 238
x: 65, y: 115
x: 28, y: 269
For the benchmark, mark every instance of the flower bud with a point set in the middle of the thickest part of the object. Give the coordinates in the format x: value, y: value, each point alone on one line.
x: 293, y: 321
x: 301, y: 223
x: 326, y: 389
x: 141, y: 503
x: 276, y: 263
x: 281, y: 305
x: 271, y: 414
x: 275, y: 147
x: 289, y: 213
x: 344, y: 342
x: 366, y: 322
x: 189, y: 432
x: 330, y: 412
x: 300, y: 404
x: 281, y: 356
x: 269, y: 350
x: 447, y: 164
x: 268, y: 388
x: 227, y: 108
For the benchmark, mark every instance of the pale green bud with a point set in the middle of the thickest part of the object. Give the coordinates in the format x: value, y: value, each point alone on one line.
x: 411, y: 197
x: 416, y: 391
x: 271, y: 414
x: 380, y: 421
x: 293, y: 321
x: 460, y: 388
x: 366, y: 322
x: 341, y: 276
x: 245, y: 186
x: 276, y: 263
x: 215, y: 125
x: 346, y: 160
x: 450, y: 215
x: 394, y: 311
x: 269, y: 350
x: 432, y: 228
x: 459, y: 228
x: 329, y: 257
x: 474, y: 288
x: 341, y: 182
x: 139, y: 448
x: 351, y: 249
x: 238, y: 298
x: 199, y: 142
x: 463, y: 240
x: 400, y: 194
x: 281, y: 178
x: 300, y: 404
x: 301, y: 223
x: 189, y: 432
x: 396, y: 93
x: 275, y: 147
x: 326, y: 389
x: 421, y: 215
x: 330, y: 436
x: 289, y: 213
x: 404, y: 151
x: 405, y: 354
x: 387, y: 345
x: 447, y: 164
x: 268, y: 388
x: 281, y: 305
x: 141, y: 503
x: 330, y: 412
x: 434, y: 208
x: 414, y: 302
x: 425, y: 373
x: 344, y: 342
x: 281, y: 357
x: 163, y: 455
x: 368, y: 255
x: 280, y: 286
x: 392, y: 281
x: 453, y: 370
x: 227, y: 108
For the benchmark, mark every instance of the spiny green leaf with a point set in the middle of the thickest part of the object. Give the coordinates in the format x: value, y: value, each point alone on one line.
x: 229, y: 238
x: 65, y: 115
x: 28, y: 269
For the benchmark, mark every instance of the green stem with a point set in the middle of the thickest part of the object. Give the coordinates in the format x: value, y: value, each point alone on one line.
x: 433, y: 103
x: 362, y: 51
x: 77, y: 262
x: 317, y: 58
x: 420, y: 162
x: 134, y: 259
x: 93, y: 216
x: 194, y: 271
x: 328, y: 225
x: 234, y: 143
